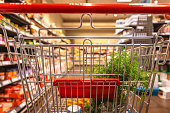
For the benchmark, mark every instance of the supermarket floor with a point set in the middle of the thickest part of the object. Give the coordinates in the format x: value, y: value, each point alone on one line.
x: 158, y: 105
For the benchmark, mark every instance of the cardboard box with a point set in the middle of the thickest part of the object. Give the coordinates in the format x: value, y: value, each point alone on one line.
x: 164, y: 92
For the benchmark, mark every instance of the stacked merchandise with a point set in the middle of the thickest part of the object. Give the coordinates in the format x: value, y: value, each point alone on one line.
x: 11, y: 93
x: 142, y: 24
x: 8, y: 73
x: 11, y: 96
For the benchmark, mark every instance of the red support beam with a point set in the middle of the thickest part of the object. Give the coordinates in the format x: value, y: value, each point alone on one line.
x: 84, y: 8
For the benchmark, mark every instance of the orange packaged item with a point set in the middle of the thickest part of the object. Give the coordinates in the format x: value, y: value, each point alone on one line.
x: 16, y: 89
x: 6, y: 106
x: 14, y: 74
x: 9, y: 89
x: 17, y: 102
x: 3, y: 96
x: 19, y: 95
x: 8, y: 75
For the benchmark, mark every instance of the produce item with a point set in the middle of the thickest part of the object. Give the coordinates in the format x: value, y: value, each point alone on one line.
x: 143, y: 76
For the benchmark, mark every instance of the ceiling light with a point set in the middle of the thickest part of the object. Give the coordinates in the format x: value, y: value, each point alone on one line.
x: 156, y: 2
x: 115, y: 15
x: 124, y: 0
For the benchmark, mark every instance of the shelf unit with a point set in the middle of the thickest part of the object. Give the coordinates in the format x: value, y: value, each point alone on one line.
x: 8, y: 82
x: 37, y: 23
x: 7, y: 63
x: 19, y: 19
x: 17, y: 109
x: 22, y: 21
x: 12, y: 32
x: 156, y: 26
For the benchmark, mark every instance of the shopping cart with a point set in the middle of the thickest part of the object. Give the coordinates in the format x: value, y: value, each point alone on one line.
x: 105, y: 78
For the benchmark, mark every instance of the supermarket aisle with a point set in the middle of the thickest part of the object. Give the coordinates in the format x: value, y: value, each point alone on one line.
x: 159, y: 105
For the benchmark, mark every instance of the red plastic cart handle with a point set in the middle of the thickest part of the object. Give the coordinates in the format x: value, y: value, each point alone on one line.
x: 73, y: 88
x: 84, y: 8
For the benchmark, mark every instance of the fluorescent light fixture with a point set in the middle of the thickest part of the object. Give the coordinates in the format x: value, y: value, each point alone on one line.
x: 124, y: 0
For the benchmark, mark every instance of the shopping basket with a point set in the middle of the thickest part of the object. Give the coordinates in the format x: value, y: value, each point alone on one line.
x: 99, y: 81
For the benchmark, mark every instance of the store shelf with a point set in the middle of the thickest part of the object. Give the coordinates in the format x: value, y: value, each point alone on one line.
x: 37, y: 23
x: 8, y: 82
x: 11, y: 32
x: 156, y: 26
x: 17, y: 18
x: 7, y: 63
x: 17, y: 109
x: 165, y: 34
x: 166, y: 60
x: 161, y: 60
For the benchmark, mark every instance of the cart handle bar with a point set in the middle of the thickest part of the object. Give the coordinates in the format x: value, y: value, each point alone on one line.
x: 84, y: 8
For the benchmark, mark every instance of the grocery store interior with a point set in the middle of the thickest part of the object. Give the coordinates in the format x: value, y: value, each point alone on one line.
x: 73, y: 60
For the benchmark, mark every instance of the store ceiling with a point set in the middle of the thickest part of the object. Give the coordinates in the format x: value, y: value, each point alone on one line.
x: 73, y: 20
x: 96, y: 17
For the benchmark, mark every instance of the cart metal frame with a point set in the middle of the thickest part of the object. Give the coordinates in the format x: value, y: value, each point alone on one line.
x: 42, y: 60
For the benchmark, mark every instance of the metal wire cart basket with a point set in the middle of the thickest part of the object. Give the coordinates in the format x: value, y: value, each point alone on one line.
x: 100, y: 78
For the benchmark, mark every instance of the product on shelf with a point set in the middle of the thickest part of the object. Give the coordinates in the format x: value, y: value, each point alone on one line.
x: 11, y: 73
x: 166, y: 29
x: 11, y: 96
x: 1, y: 37
x: 2, y: 76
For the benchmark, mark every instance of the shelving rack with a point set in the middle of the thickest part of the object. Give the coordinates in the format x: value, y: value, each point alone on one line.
x: 156, y: 26
x: 22, y: 21
x: 13, y: 80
